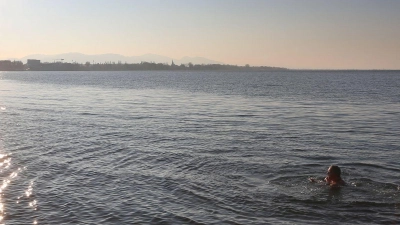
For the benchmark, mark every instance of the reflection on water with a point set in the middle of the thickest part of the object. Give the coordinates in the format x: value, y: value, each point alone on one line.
x: 6, y: 168
x: 5, y: 162
x: 28, y: 192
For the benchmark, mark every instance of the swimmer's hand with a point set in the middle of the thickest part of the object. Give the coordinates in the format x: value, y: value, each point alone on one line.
x: 315, y: 180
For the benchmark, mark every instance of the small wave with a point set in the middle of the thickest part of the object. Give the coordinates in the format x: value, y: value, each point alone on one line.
x: 318, y: 157
x: 245, y: 115
x: 187, y: 220
x: 373, y: 204
x: 373, y: 165
x: 87, y: 114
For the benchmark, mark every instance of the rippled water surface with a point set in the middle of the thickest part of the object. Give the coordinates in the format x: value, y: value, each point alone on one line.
x: 199, y: 147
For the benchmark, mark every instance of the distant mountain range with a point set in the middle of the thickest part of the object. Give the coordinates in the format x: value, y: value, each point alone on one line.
x: 107, y: 58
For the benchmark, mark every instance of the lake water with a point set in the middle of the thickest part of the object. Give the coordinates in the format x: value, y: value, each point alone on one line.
x: 199, y: 147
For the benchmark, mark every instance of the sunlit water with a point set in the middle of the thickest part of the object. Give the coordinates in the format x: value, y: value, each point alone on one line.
x: 198, y: 147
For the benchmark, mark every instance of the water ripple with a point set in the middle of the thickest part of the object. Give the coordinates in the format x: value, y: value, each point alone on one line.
x: 198, y: 148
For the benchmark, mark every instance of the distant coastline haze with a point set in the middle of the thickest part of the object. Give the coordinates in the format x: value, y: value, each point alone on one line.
x: 307, y: 34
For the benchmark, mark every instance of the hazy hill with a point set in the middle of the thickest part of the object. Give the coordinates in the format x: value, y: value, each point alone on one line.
x: 103, y: 58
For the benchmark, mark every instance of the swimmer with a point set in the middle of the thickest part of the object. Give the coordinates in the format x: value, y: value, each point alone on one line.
x: 333, y: 177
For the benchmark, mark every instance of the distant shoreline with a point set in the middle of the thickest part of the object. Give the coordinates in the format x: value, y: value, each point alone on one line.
x: 200, y: 70
x: 225, y: 70
x: 36, y: 65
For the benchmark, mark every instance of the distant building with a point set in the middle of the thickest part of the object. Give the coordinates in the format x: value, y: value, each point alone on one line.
x: 33, y: 62
x: 8, y: 65
x: 2, y: 62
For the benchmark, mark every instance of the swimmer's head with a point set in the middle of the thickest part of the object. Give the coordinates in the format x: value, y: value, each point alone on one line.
x: 334, y: 170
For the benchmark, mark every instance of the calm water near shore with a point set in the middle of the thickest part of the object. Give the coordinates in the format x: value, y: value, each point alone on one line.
x: 199, y: 147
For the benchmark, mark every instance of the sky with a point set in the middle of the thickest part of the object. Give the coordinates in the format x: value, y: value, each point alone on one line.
x: 296, y: 34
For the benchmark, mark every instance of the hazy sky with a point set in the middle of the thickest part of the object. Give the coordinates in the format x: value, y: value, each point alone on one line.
x: 351, y: 34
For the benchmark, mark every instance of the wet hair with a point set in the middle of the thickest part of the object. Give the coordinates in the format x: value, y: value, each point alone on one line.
x: 336, y: 170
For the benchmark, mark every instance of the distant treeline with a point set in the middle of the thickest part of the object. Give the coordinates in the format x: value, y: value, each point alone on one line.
x: 7, y: 65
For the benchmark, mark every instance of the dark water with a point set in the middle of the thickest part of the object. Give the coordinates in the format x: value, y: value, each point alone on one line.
x: 199, y: 147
